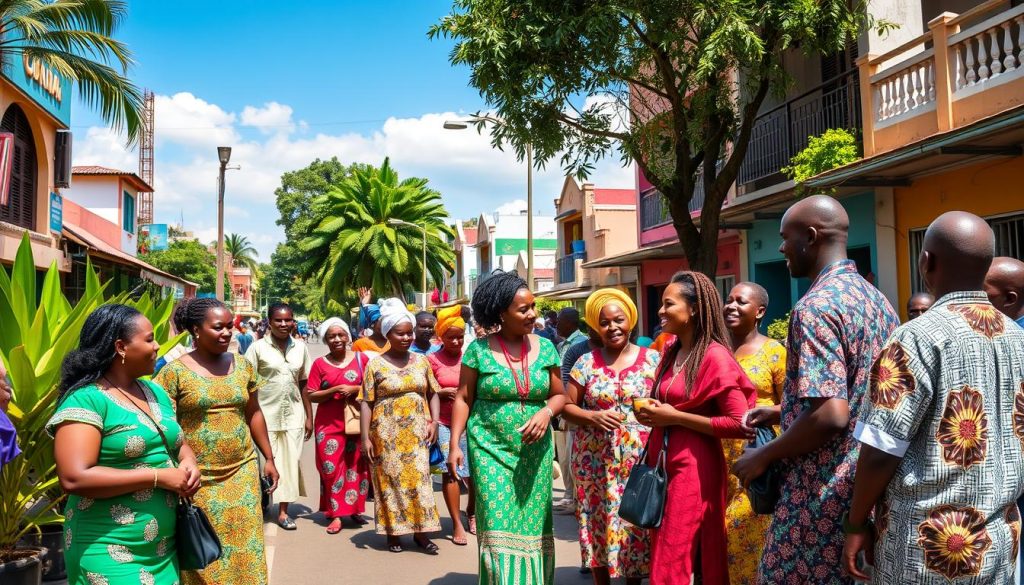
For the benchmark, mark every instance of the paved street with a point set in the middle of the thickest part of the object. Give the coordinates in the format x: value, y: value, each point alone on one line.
x: 359, y: 555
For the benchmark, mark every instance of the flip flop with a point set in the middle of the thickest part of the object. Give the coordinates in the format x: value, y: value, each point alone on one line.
x: 334, y: 530
x: 460, y: 542
x: 395, y: 548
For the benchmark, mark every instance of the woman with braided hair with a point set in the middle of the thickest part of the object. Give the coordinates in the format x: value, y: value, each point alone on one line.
x: 214, y: 394
x: 700, y: 397
x: 510, y: 388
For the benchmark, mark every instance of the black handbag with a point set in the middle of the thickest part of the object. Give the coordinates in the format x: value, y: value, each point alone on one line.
x: 643, y: 499
x: 764, y: 490
x: 265, y: 484
x: 197, y: 541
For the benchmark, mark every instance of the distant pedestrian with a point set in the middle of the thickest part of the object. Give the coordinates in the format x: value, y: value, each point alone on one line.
x: 283, y: 363
x: 244, y: 339
x: 423, y: 344
x: 546, y: 328
x: 568, y: 334
x: 400, y: 408
x: 334, y: 383
x: 369, y: 320
x: 918, y: 304
x: 835, y: 333
x: 1004, y: 285
x: 941, y: 461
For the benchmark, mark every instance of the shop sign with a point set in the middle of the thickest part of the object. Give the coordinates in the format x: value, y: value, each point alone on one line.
x: 43, y: 84
x: 156, y: 235
x: 56, y: 212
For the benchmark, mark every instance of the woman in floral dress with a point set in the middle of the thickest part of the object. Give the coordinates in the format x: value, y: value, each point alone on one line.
x: 608, y: 439
x: 334, y: 381
x: 214, y: 392
x: 123, y: 485
x: 764, y: 361
x: 399, y: 421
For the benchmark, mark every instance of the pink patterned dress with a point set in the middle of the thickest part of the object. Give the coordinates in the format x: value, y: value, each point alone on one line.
x: 602, y: 460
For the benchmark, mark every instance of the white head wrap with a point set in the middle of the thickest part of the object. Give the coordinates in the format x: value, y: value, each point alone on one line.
x: 332, y: 322
x: 393, y: 312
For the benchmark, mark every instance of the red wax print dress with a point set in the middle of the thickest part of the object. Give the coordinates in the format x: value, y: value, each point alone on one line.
x: 692, y: 531
x: 344, y: 473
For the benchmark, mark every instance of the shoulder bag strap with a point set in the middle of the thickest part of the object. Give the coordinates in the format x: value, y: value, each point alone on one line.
x: 167, y: 445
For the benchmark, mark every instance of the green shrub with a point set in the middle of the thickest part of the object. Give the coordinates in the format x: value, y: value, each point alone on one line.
x: 779, y: 328
x: 835, y: 148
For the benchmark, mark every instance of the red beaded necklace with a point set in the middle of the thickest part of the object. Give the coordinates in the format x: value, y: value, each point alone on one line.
x: 522, y: 386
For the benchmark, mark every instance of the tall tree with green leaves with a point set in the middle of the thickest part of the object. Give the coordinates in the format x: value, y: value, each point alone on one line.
x: 190, y: 260
x: 673, y: 85
x: 359, y: 240
x: 75, y: 37
x: 242, y: 251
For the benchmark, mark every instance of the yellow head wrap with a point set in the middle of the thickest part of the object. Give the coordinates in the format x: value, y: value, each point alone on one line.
x: 599, y: 298
x: 448, y: 318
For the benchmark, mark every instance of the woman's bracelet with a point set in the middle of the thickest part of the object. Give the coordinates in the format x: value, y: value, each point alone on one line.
x: 551, y: 413
x: 156, y: 477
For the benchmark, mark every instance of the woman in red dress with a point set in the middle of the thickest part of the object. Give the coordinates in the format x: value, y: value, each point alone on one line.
x: 334, y: 382
x: 701, y: 395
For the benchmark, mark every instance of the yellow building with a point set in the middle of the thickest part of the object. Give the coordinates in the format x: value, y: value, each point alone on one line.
x: 943, y: 125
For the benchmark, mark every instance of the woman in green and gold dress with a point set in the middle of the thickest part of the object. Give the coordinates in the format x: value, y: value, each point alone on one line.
x: 764, y: 361
x: 123, y: 487
x: 510, y: 389
x: 214, y: 392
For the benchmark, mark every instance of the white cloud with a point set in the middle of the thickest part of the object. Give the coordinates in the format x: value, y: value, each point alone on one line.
x: 472, y: 177
x: 512, y: 207
x: 269, y: 119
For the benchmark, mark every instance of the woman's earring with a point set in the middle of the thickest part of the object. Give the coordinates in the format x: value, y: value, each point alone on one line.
x: 122, y: 359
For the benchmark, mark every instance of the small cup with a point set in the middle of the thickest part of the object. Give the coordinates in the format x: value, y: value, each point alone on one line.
x: 639, y: 403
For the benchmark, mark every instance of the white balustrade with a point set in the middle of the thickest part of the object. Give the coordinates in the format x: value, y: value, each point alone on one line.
x: 989, y: 50
x: 906, y: 88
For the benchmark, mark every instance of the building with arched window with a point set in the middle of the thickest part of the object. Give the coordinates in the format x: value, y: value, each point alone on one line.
x: 35, y: 105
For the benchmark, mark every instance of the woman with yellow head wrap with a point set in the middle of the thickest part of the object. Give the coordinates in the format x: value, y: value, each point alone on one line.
x: 447, y: 364
x: 603, y: 386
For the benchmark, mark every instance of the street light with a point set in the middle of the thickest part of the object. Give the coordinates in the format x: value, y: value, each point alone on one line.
x: 224, y: 155
x: 462, y: 125
x: 422, y: 229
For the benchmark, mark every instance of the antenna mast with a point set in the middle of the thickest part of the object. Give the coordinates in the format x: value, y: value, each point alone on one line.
x: 146, y: 159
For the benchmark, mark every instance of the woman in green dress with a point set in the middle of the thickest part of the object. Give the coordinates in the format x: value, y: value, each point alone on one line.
x: 214, y: 392
x: 509, y: 390
x: 123, y: 486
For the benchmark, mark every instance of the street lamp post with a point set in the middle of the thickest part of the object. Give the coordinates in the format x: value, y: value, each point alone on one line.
x: 224, y: 154
x: 461, y: 125
x: 422, y: 229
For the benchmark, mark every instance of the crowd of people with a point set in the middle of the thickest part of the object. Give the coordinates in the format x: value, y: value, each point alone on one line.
x: 898, y: 455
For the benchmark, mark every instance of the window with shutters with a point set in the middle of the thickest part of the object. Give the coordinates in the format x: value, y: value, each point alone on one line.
x: 21, y: 204
x: 128, y: 208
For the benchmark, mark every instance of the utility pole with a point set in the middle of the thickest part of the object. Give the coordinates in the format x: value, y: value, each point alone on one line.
x: 224, y: 154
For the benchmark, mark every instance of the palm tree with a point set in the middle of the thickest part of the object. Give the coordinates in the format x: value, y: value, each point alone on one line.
x: 242, y: 251
x: 74, y: 38
x: 354, y: 244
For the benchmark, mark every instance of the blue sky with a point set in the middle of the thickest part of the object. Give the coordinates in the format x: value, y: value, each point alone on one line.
x: 357, y: 80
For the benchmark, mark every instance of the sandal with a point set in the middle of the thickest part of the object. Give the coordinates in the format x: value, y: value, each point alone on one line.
x: 286, y: 524
x: 460, y: 542
x: 395, y: 546
x: 472, y: 524
x: 335, y: 526
x: 429, y: 547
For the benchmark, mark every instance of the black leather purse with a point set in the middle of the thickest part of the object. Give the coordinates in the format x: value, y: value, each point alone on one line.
x: 197, y: 541
x: 764, y: 490
x: 643, y: 499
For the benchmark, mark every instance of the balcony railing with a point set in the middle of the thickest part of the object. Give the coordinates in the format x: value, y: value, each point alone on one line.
x: 782, y: 132
x: 942, y: 72
x: 567, y: 267
x: 653, y: 209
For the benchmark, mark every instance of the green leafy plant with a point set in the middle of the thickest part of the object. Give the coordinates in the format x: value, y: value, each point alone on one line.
x: 833, y: 149
x: 779, y: 328
x: 37, y: 329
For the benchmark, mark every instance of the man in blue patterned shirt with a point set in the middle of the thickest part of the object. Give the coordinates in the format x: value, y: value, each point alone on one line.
x: 835, y: 332
x: 942, y: 429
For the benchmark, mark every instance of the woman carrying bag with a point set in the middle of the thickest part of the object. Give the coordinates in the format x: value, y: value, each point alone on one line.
x: 334, y: 383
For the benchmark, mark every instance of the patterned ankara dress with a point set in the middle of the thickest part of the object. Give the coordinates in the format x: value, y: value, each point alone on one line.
x: 602, y: 461
x: 344, y: 474
x: 403, y: 491
x: 947, y: 396
x: 127, y: 538
x: 513, y: 480
x: 212, y: 414
x: 746, y: 530
x: 835, y: 332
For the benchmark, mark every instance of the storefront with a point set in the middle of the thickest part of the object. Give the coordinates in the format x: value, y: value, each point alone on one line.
x: 35, y: 104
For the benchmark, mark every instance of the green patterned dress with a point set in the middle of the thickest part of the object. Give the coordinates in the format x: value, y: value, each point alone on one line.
x: 513, y: 481
x: 128, y: 538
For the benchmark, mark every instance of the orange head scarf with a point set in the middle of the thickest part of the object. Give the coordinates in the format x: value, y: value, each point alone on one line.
x: 448, y: 318
x: 599, y: 298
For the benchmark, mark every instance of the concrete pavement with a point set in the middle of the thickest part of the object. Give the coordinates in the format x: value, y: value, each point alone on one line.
x: 357, y: 555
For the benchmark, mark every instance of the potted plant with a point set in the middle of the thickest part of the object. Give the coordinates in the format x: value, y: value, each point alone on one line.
x: 36, y: 332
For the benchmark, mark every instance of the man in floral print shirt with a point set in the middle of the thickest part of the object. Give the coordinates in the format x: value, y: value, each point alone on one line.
x: 835, y: 332
x: 942, y: 429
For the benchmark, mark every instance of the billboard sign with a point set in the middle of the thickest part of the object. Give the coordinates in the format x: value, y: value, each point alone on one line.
x: 47, y: 88
x: 156, y: 233
x: 56, y: 212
